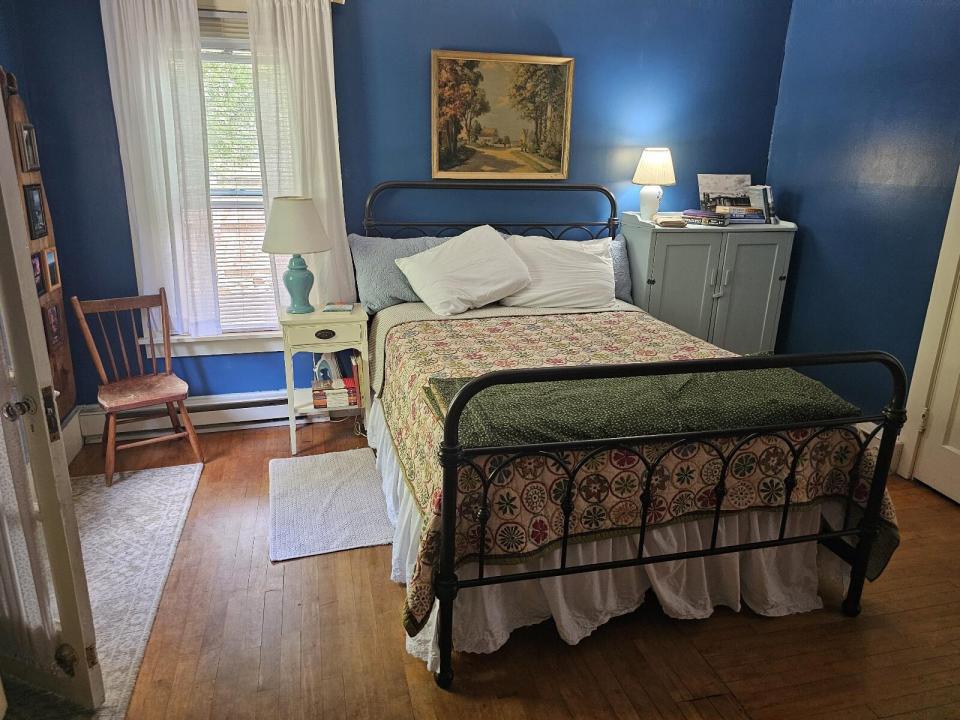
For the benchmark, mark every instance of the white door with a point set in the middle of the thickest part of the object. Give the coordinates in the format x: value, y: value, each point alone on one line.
x: 933, y: 431
x: 684, y: 272
x: 46, y: 626
x: 750, y: 290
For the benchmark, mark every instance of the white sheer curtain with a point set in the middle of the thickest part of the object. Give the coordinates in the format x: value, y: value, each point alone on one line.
x: 292, y: 46
x: 153, y: 54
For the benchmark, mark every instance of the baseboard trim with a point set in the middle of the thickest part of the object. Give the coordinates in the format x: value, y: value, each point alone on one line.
x: 209, y: 413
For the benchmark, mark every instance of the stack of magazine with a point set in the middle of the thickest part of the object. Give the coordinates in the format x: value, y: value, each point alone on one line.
x: 336, y: 381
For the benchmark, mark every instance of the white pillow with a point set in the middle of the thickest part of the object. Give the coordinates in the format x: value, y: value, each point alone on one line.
x: 564, y: 273
x: 467, y: 271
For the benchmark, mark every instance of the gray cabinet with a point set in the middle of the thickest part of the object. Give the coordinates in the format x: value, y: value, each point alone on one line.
x: 724, y: 285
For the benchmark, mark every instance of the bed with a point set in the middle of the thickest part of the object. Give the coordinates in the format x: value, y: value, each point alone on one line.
x: 542, y: 463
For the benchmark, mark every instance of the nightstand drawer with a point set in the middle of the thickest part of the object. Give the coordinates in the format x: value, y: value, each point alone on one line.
x: 333, y: 333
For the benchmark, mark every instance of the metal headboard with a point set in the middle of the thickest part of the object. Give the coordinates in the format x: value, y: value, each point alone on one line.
x: 557, y: 230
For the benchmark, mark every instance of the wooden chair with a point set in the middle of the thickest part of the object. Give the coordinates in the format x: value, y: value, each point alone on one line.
x: 138, y: 387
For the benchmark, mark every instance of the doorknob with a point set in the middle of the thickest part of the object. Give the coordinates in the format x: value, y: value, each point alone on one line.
x: 13, y: 411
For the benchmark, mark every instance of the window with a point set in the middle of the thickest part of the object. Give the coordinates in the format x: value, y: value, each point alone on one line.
x: 246, y: 277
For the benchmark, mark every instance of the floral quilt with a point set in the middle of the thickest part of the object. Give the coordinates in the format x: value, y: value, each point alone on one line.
x: 525, y: 499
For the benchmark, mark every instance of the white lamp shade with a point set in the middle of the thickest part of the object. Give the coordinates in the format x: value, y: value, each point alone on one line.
x: 294, y: 226
x: 655, y: 168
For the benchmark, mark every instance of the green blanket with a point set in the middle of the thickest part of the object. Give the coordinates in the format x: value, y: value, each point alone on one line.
x: 562, y: 411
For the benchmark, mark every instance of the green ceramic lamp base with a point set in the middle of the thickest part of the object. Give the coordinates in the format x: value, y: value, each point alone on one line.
x: 299, y: 281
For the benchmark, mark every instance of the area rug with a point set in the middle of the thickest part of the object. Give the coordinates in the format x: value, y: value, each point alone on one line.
x: 128, y: 533
x: 325, y: 503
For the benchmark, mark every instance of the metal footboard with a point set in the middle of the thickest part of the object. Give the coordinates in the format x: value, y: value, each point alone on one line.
x: 453, y: 456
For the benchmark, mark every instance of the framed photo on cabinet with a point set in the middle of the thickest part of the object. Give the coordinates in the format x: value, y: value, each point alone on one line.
x: 36, y: 214
x: 51, y: 269
x: 500, y: 117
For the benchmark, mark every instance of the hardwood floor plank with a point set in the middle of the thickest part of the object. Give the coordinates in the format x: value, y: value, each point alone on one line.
x: 320, y: 637
x: 925, y: 701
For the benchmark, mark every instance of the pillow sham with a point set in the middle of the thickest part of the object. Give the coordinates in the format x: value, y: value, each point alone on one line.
x: 467, y: 271
x: 564, y: 273
x: 380, y: 283
x: 623, y: 285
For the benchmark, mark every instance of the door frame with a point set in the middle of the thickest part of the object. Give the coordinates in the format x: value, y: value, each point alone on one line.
x: 48, y: 459
x: 943, y: 299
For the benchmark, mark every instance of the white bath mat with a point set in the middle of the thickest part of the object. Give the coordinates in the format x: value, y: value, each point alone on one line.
x: 325, y: 503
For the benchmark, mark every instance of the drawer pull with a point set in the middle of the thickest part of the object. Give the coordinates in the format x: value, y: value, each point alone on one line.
x: 325, y: 334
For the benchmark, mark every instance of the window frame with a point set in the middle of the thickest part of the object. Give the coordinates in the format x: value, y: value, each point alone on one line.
x: 230, y: 342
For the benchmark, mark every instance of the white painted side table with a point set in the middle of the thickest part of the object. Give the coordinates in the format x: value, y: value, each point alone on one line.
x: 322, y: 332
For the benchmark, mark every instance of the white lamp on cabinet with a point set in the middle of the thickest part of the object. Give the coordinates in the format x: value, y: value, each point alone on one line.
x: 654, y: 170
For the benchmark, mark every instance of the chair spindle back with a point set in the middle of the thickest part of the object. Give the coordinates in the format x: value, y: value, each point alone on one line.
x: 120, y: 331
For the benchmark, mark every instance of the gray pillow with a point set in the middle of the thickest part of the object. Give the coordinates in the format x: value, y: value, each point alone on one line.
x: 380, y: 282
x: 623, y: 287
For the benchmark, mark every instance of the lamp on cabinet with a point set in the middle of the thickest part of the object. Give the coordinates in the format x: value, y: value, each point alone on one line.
x: 654, y: 170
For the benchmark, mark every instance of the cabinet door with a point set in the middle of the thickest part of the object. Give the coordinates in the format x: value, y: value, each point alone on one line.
x: 684, y: 274
x: 750, y: 290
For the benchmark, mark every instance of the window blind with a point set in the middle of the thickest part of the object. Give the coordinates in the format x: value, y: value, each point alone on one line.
x: 245, y: 274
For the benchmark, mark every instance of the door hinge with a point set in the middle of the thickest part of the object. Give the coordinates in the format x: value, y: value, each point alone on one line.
x: 923, y: 420
x: 651, y: 281
x: 92, y: 658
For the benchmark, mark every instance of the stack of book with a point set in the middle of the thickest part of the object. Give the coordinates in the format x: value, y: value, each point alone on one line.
x: 705, y: 217
x: 742, y: 215
x: 336, y: 383
x: 761, y: 196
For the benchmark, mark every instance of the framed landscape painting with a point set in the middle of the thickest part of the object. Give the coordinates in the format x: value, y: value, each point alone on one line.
x: 497, y: 116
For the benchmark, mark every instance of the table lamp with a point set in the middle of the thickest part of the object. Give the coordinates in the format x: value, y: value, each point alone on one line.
x: 654, y: 170
x: 294, y: 227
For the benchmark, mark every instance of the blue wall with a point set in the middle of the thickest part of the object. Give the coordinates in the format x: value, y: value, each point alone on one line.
x: 641, y: 78
x: 864, y: 156
x: 638, y: 82
x: 67, y: 91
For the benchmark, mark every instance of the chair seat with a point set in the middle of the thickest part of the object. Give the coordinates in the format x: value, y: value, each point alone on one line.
x: 142, y: 391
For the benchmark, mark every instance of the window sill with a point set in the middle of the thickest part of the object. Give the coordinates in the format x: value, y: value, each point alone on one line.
x: 226, y: 344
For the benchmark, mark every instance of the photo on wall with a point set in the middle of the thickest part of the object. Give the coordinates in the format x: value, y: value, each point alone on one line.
x: 29, y: 155
x: 36, y: 216
x: 53, y: 324
x: 51, y: 269
x: 499, y: 116
x: 36, y: 263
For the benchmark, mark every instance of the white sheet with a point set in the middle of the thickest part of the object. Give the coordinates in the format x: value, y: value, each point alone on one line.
x: 771, y: 582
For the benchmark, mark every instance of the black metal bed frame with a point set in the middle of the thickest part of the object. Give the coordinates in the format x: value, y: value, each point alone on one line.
x: 453, y: 455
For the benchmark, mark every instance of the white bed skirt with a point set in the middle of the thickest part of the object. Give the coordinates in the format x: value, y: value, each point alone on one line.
x: 773, y: 582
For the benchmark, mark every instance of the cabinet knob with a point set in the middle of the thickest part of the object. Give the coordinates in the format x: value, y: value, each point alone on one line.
x: 325, y: 334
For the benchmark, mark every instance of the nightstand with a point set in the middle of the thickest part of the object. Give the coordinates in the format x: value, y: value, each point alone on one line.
x: 322, y: 332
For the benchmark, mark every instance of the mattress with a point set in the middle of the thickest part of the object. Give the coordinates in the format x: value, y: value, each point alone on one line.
x: 411, y: 346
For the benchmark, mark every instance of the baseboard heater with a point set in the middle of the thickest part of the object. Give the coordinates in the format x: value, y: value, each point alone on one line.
x: 210, y: 413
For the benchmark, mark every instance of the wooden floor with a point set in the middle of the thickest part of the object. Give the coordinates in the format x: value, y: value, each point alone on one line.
x: 236, y: 637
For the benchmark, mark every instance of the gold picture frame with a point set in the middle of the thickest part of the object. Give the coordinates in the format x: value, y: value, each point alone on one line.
x: 484, y: 125
x: 51, y: 269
